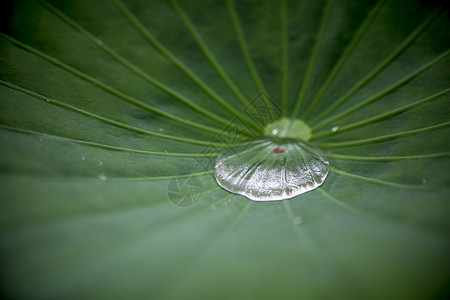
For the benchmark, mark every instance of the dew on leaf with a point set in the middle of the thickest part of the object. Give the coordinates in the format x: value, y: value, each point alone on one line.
x: 298, y: 220
x: 271, y: 169
x: 83, y: 158
x: 334, y: 128
x: 102, y: 177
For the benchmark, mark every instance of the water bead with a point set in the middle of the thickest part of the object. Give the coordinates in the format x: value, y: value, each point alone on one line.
x: 278, y: 166
x: 271, y: 168
x: 334, y: 128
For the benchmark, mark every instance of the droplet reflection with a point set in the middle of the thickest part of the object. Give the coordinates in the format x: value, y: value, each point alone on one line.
x: 271, y: 169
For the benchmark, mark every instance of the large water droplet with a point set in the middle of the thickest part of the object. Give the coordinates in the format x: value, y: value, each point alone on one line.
x: 271, y: 168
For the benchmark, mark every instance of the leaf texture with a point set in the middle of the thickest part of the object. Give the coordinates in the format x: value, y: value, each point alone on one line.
x: 105, y: 103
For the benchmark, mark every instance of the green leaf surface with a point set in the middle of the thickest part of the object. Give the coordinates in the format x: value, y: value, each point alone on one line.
x: 104, y: 104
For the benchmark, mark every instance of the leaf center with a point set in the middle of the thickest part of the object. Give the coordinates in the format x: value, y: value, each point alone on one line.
x: 288, y: 128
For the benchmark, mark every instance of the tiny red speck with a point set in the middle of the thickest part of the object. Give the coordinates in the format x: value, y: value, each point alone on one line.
x: 278, y: 150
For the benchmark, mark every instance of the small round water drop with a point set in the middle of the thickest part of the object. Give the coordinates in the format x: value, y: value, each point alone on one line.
x: 100, y: 163
x: 298, y: 220
x: 271, y: 169
x: 83, y: 158
x: 100, y: 42
x: 102, y: 177
x: 334, y: 128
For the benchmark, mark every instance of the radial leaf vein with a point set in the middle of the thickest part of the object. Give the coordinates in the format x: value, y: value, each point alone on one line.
x: 302, y: 235
x: 386, y: 158
x: 354, y: 210
x: 180, y: 65
x: 104, y: 119
x: 58, y: 219
x: 342, y: 204
x: 372, y: 99
x: 383, y: 182
x: 382, y: 138
x: 207, y: 52
x: 379, y: 117
x: 243, y: 45
x: 239, y: 217
x: 246, y: 53
x: 396, y: 53
x: 313, y: 58
x: 108, y: 88
x: 130, y: 179
x: 156, y: 178
x: 284, y: 56
x: 103, y: 146
x: 371, y: 16
x: 102, y: 45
